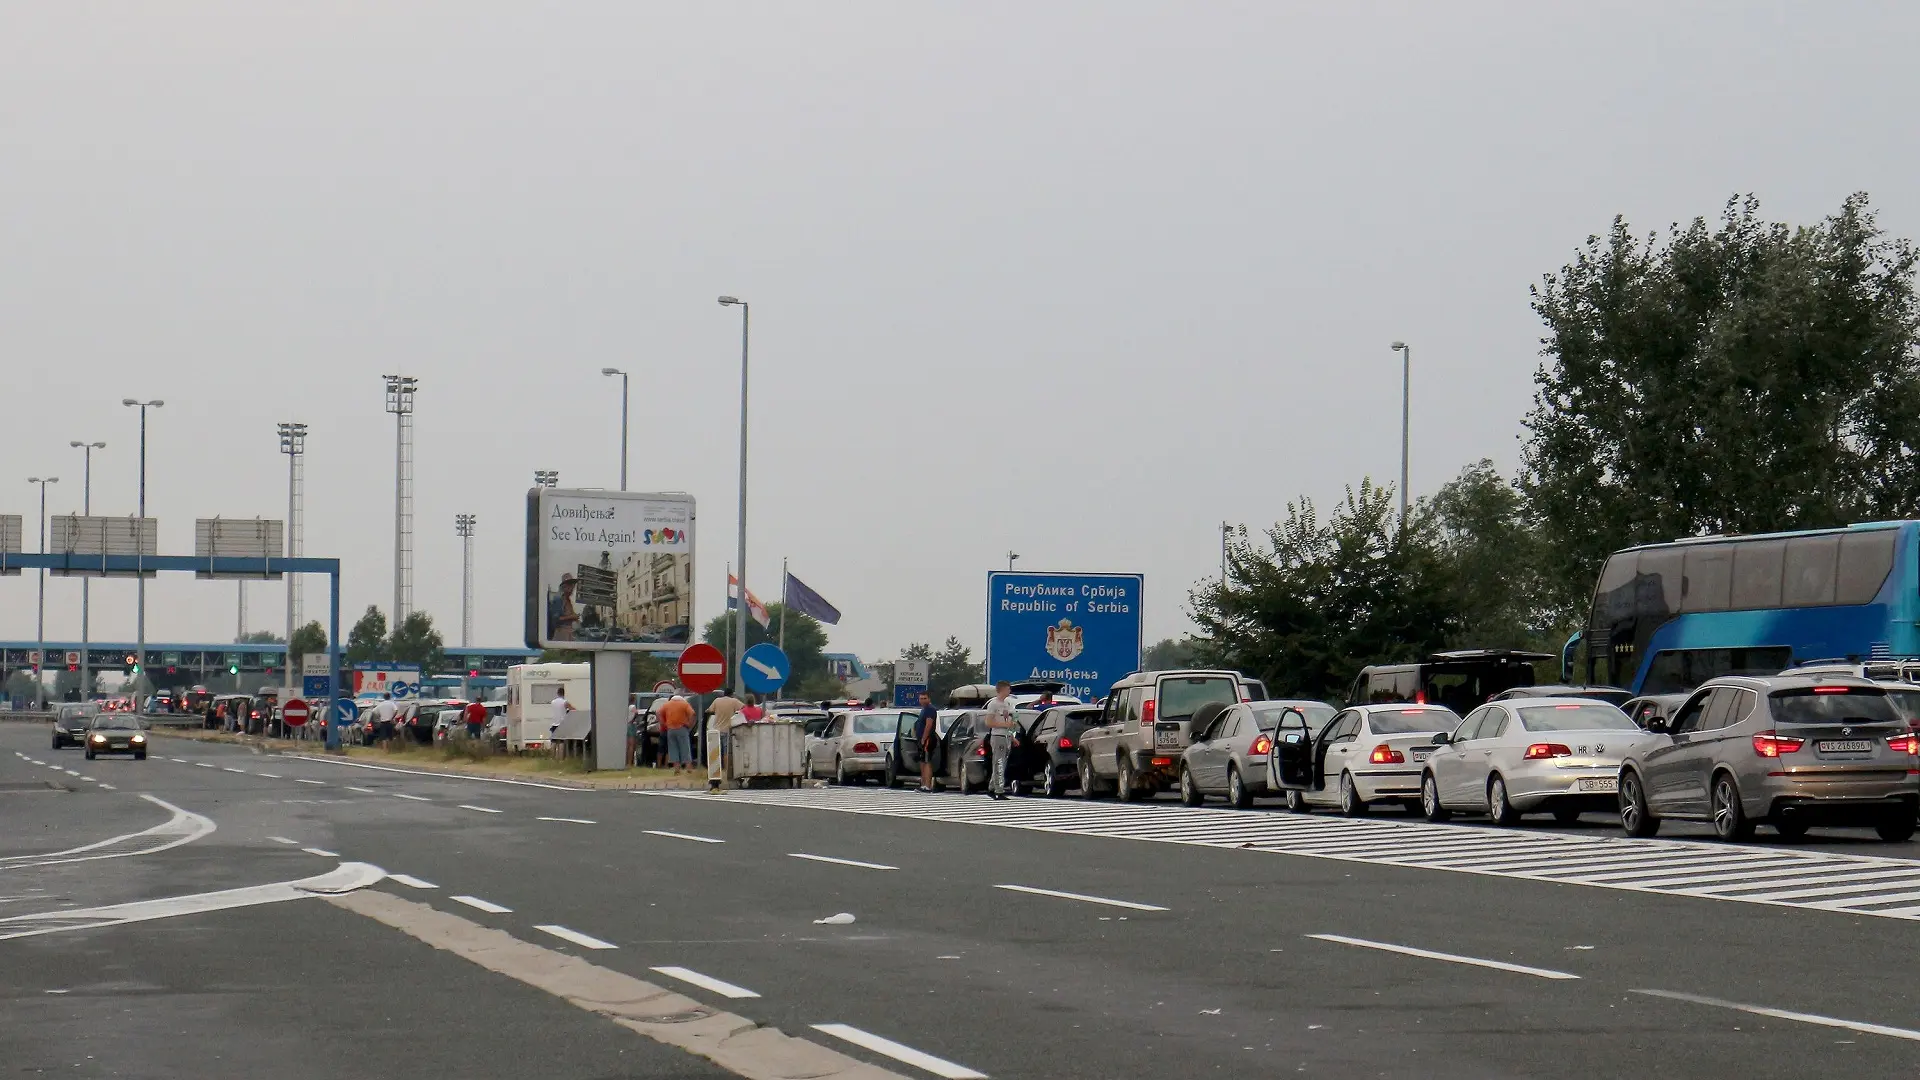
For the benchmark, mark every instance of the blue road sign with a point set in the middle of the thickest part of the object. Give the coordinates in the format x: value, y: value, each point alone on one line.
x: 1082, y: 630
x: 316, y: 687
x: 765, y: 668
x: 344, y: 710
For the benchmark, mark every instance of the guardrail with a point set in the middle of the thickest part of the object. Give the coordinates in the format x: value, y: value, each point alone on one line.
x: 26, y: 716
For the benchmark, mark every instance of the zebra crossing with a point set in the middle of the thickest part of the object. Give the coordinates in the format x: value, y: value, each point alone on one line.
x: 1788, y: 877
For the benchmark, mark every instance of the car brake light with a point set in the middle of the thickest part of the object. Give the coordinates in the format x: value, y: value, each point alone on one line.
x: 1261, y: 745
x: 1162, y: 762
x: 1547, y: 750
x: 1146, y: 712
x: 1066, y: 742
x: 1909, y: 743
x: 1420, y: 698
x: 866, y: 748
x: 980, y: 750
x: 1386, y: 755
x: 1767, y: 744
x: 1832, y: 689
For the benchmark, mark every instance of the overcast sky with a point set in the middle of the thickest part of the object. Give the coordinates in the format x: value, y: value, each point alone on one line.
x: 1075, y: 280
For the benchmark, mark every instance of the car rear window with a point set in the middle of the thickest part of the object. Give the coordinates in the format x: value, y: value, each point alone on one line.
x: 1598, y: 716
x: 1267, y: 714
x: 1181, y: 697
x: 875, y: 723
x: 1833, y: 705
x: 1412, y: 721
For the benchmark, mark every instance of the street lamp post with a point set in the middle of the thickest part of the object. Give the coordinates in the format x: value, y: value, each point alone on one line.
x: 740, y: 609
x: 140, y: 545
x: 1012, y: 557
x: 546, y: 478
x: 40, y: 630
x: 293, y: 443
x: 463, y: 525
x: 623, y: 422
x: 1406, y: 386
x: 86, y: 508
x: 400, y: 391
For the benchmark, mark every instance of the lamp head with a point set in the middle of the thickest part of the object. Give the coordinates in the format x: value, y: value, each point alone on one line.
x: 611, y: 371
x: 128, y: 401
x: 1398, y: 345
x: 727, y: 300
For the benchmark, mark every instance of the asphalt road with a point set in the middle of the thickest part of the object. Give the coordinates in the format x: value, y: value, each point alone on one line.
x: 1466, y: 965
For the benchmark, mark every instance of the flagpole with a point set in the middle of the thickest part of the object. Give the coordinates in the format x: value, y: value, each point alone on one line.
x: 783, y: 604
x: 742, y: 601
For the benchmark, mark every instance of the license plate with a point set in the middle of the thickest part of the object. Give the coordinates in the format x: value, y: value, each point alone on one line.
x: 1422, y: 754
x: 1844, y: 746
x: 1598, y: 783
x: 1166, y: 738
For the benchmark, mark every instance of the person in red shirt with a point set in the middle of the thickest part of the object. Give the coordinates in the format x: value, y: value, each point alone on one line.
x: 476, y: 718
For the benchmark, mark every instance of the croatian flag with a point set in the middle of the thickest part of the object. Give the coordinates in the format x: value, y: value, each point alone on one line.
x: 755, y: 609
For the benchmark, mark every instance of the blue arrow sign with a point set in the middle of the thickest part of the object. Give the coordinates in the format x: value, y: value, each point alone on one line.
x: 765, y: 668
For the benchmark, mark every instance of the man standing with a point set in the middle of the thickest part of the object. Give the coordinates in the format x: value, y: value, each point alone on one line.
x: 561, y: 707
x: 1000, y: 729
x: 383, y: 715
x: 475, y: 715
x: 724, y: 709
x: 926, y: 731
x: 636, y: 727
x: 676, y: 726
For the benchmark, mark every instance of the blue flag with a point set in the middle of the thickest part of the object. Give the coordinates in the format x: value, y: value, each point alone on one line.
x: 806, y: 601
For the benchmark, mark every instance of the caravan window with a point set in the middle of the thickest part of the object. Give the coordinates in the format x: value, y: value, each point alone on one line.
x: 542, y: 693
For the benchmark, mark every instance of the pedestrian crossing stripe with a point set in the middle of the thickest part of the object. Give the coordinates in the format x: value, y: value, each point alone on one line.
x: 1781, y: 877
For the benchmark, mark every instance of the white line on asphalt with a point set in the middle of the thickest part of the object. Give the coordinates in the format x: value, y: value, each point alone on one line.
x: 282, y: 840
x: 1128, y: 904
x: 204, y: 764
x: 322, y: 852
x: 409, y: 798
x: 483, y: 905
x: 411, y: 882
x: 1783, y: 1014
x: 270, y: 776
x: 682, y: 836
x: 316, y: 783
x: 181, y: 760
x: 108, y: 787
x: 916, y: 1058
x: 570, y: 820
x: 1452, y: 958
x: 482, y: 809
x: 841, y: 862
x: 71, y: 772
x: 706, y: 982
x: 230, y: 768
x: 182, y: 827
x: 429, y: 773
x: 362, y: 790
x: 341, y: 879
x: 576, y: 937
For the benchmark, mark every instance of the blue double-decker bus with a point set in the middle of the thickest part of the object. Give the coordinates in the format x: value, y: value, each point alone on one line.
x: 1667, y: 617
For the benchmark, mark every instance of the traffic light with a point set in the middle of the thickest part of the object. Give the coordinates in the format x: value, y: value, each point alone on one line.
x: 473, y: 673
x: 233, y: 669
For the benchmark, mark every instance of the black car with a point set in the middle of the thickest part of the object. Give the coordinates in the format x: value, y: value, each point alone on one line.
x: 70, y: 724
x: 903, y: 754
x: 1055, y: 741
x: 968, y: 760
x: 117, y: 733
x: 1653, y: 707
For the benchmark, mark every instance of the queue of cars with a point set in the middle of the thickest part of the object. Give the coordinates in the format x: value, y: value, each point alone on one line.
x: 100, y: 731
x: 1794, y: 751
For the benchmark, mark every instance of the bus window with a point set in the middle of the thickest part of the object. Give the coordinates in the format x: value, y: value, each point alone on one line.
x: 1810, y: 571
x: 1756, y: 574
x: 1866, y: 558
x: 1708, y: 575
x: 1676, y: 671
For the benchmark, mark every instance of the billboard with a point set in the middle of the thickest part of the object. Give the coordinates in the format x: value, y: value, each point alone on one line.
x: 609, y: 570
x: 1079, y: 629
x: 376, y: 678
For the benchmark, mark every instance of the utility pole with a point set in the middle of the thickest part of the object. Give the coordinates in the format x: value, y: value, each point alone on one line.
x: 623, y: 422
x: 463, y: 525
x: 86, y: 497
x: 400, y: 391
x: 1012, y: 557
x: 740, y: 612
x: 140, y: 545
x: 40, y: 631
x: 1406, y: 390
x: 293, y: 443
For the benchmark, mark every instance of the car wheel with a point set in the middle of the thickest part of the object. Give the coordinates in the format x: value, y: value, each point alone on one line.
x: 840, y: 771
x: 1430, y: 799
x: 1730, y: 820
x: 1128, y: 785
x: 1351, y: 804
x: 1050, y: 782
x: 1791, y: 830
x: 1297, y: 803
x: 1896, y: 827
x: 1190, y: 794
x: 1237, y: 792
x: 889, y: 779
x: 1566, y: 815
x: 56, y: 742
x: 1499, y: 808
x: 966, y: 786
x: 1635, y: 817
x: 1089, y: 787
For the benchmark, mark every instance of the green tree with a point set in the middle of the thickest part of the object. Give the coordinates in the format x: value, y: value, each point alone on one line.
x: 259, y: 637
x: 805, y: 647
x: 417, y: 642
x: 1171, y: 653
x: 308, y: 640
x: 368, y: 638
x: 952, y: 666
x: 1745, y: 378
x: 20, y: 686
x: 1485, y: 533
x: 1306, y: 609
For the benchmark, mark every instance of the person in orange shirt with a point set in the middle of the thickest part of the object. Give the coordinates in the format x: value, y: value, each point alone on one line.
x: 676, y: 725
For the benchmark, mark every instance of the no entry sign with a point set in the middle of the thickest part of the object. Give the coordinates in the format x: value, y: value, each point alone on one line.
x: 702, y: 668
x: 295, y: 712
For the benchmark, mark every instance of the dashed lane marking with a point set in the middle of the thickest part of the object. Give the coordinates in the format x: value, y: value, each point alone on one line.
x: 1082, y: 897
x: 919, y: 1059
x: 282, y: 840
x: 585, y: 941
x: 570, y: 820
x: 322, y: 852
x: 409, y: 798
x: 840, y: 862
x: 1451, y: 958
x: 315, y: 783
x: 1783, y: 1014
x: 706, y: 982
x: 483, y: 905
x: 412, y: 882
x: 682, y: 836
x: 482, y: 809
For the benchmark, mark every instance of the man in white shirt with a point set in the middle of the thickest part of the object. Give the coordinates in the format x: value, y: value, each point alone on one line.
x: 561, y: 707
x: 383, y: 715
x: 1000, y: 729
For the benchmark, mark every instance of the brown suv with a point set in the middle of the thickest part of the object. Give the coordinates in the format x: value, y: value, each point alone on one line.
x: 1134, y: 749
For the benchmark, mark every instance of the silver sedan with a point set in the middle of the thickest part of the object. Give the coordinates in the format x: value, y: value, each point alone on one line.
x: 1528, y: 755
x: 1365, y: 754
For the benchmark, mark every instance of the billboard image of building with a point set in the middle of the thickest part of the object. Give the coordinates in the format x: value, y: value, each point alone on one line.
x: 608, y: 569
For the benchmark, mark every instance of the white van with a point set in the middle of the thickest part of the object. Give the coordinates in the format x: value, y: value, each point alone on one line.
x: 531, y: 689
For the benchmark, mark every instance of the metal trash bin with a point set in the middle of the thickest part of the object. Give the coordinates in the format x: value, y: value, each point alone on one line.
x: 771, y: 751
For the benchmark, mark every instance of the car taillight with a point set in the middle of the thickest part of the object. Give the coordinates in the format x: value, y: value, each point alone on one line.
x: 1386, y: 755
x: 1146, y: 712
x: 1261, y: 745
x: 1909, y: 743
x: 1767, y: 744
x: 1162, y: 762
x: 1547, y: 750
x: 866, y: 748
x: 980, y: 750
x: 1066, y: 742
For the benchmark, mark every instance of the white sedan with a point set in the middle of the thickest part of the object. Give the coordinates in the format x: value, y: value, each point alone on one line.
x: 1365, y: 754
x: 1527, y: 755
x: 855, y: 743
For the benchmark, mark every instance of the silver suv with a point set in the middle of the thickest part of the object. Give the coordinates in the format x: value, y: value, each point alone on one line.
x: 1792, y: 751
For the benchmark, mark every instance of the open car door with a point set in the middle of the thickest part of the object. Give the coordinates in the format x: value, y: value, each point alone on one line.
x: 1293, y: 757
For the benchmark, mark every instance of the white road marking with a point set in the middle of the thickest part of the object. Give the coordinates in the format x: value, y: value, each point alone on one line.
x: 411, y: 882
x: 431, y: 774
x: 282, y: 840
x: 268, y: 775
x: 204, y: 764
x: 839, y: 862
x: 322, y: 852
x: 1128, y: 904
x: 682, y: 836
x: 570, y: 820
x: 341, y: 879
x: 181, y: 760
x: 1783, y: 1014
x: 482, y: 809
x: 107, y: 787
x: 362, y: 790
x: 1451, y: 958
x: 409, y: 798
x: 706, y: 982
x: 183, y: 827
x: 483, y: 905
x: 575, y: 936
x: 917, y: 1058
x: 316, y: 783
x: 230, y: 768
x: 71, y: 772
